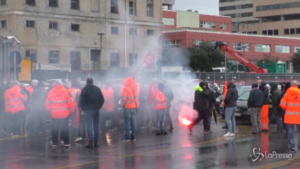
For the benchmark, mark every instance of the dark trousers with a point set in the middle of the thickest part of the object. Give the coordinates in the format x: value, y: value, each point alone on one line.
x: 81, y: 128
x: 202, y: 114
x: 168, y: 117
x: 113, y: 116
x: 92, y: 125
x: 5, y: 119
x: 15, y: 121
x: 38, y: 121
x: 60, y: 126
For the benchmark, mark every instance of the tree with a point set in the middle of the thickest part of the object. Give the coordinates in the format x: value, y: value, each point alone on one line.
x: 202, y: 57
x: 295, y: 59
x: 268, y: 59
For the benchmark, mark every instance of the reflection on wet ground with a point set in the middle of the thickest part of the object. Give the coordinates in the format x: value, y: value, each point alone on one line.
x: 176, y: 150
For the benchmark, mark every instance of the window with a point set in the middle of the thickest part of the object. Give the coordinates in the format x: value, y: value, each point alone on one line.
x: 114, y: 30
x: 30, y: 24
x: 150, y: 6
x: 204, y: 24
x: 241, y: 46
x: 75, y: 4
x: 172, y: 43
x: 197, y: 42
x: 297, y: 49
x: 277, y: 6
x: 133, y: 60
x: 132, y: 8
x: 75, y: 27
x: 282, y: 49
x: 226, y: 8
x: 168, y: 21
x: 31, y: 54
x: 53, y: 3
x: 75, y: 60
x: 270, y: 32
x: 30, y: 2
x: 114, y: 6
x: 292, y: 31
x: 223, y: 26
x: 262, y: 48
x: 150, y: 32
x: 298, y: 31
x: 244, y: 96
x: 246, y: 6
x: 2, y: 2
x: 264, y: 32
x: 246, y: 14
x: 53, y: 57
x: 132, y: 31
x: 3, y: 24
x: 95, y: 59
x: 286, y: 31
x: 276, y: 32
x: 254, y: 32
x: 114, y: 60
x: 53, y: 25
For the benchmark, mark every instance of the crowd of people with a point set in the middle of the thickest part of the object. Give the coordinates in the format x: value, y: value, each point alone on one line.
x: 86, y: 107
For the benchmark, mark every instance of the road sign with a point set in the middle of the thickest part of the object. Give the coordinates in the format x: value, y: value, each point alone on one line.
x: 18, y: 58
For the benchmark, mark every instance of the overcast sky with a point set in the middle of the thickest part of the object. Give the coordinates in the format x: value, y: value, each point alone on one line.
x: 203, y: 6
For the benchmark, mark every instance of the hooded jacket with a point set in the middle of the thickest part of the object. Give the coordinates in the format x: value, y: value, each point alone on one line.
x: 130, y: 94
x: 265, y: 90
x: 15, y: 99
x: 201, y: 102
x: 256, y: 98
x: 275, y: 96
x: 231, y: 96
x: 91, y: 98
x: 290, y: 103
x: 60, y: 103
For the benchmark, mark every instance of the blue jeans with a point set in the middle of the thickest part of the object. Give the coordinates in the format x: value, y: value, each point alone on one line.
x: 129, y: 118
x: 160, y: 120
x: 80, y: 126
x: 290, y: 130
x: 92, y: 125
x: 230, y: 118
x: 168, y: 118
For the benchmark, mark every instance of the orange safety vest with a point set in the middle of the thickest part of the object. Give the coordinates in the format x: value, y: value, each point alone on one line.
x: 129, y: 94
x: 224, y: 93
x: 29, y: 89
x: 159, y: 101
x: 290, y: 103
x: 60, y: 103
x: 109, y: 99
x: 15, y: 99
x: 6, y: 102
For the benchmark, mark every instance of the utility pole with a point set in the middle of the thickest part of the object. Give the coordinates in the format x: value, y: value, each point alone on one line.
x: 133, y: 36
x: 225, y: 65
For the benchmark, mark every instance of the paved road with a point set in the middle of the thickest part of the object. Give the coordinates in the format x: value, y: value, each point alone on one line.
x: 178, y: 150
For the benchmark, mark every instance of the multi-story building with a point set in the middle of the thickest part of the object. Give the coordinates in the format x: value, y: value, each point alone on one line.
x: 239, y: 10
x: 276, y: 17
x: 168, y: 3
x: 66, y: 32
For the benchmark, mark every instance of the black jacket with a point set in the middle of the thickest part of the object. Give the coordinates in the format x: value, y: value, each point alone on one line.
x: 231, y: 96
x: 168, y: 92
x: 265, y: 90
x: 256, y: 99
x: 91, y: 98
x: 201, y: 102
x: 275, y: 96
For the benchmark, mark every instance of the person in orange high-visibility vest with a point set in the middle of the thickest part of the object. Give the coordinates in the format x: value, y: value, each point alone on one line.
x: 129, y: 96
x: 223, y: 104
x: 290, y: 103
x: 15, y: 100
x: 60, y: 104
x: 72, y: 91
x: 160, y: 106
x: 264, y: 115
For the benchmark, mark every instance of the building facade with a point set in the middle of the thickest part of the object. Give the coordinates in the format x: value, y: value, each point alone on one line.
x: 276, y: 17
x: 190, y: 19
x: 241, y: 11
x: 66, y: 32
x: 253, y: 47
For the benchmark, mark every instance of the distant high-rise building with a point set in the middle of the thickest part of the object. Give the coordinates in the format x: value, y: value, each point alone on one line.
x: 241, y: 11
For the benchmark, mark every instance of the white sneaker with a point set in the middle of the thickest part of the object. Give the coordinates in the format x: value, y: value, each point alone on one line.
x: 78, y: 139
x: 227, y: 134
x: 232, y: 135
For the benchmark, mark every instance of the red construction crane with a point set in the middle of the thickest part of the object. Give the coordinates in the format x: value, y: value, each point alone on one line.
x: 240, y: 58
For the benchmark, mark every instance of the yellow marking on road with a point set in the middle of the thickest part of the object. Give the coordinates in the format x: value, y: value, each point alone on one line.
x: 279, y: 164
x: 12, y: 138
x: 143, y: 153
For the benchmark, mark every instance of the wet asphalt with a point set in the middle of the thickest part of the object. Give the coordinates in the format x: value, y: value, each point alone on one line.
x: 177, y: 150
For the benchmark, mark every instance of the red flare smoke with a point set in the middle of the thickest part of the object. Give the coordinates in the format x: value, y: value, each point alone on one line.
x: 186, y: 115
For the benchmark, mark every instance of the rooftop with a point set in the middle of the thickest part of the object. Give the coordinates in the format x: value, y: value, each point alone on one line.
x: 195, y: 12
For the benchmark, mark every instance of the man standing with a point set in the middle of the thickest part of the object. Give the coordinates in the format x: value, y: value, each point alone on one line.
x: 91, y: 101
x: 201, y: 105
x: 290, y: 103
x: 275, y: 96
x: 255, y: 102
x: 212, y: 101
x: 60, y: 104
x: 231, y: 108
x: 168, y: 92
x: 129, y: 102
x: 265, y: 108
x: 160, y: 109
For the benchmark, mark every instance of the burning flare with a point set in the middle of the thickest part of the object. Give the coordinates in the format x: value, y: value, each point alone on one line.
x: 186, y: 115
